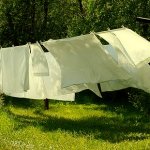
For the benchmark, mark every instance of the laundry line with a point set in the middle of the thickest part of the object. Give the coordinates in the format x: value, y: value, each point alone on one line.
x: 74, y: 64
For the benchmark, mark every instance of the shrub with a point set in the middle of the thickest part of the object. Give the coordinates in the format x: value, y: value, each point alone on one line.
x: 140, y: 100
x: 1, y: 100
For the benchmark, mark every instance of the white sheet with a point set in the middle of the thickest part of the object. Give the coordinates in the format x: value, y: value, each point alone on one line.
x: 15, y: 69
x: 83, y: 60
x: 53, y: 82
x: 123, y: 57
x: 136, y: 46
x: 136, y: 51
x: 39, y: 62
x: 42, y: 87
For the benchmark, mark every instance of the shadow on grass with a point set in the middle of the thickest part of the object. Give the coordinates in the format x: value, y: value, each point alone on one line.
x: 84, y: 97
x: 128, y: 125
x: 112, y: 129
x: 23, y: 102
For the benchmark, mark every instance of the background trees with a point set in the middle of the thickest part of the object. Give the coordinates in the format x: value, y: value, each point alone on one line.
x: 25, y: 21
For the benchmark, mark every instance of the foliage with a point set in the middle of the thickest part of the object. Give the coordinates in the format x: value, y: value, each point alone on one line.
x: 25, y: 21
x: 1, y: 100
x: 140, y: 100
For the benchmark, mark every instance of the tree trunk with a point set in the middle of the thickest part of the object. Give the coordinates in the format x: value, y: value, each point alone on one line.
x: 44, y: 26
x: 12, y: 34
x: 81, y: 6
x: 33, y: 9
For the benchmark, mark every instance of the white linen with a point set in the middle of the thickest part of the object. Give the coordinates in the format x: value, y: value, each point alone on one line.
x: 53, y: 82
x: 136, y: 46
x: 15, y: 69
x: 39, y: 62
x: 83, y: 59
x: 123, y: 57
x: 42, y: 87
x: 137, y: 53
x: 50, y: 86
x: 112, y: 52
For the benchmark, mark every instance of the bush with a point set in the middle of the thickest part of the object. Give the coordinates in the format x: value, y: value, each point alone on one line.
x: 140, y: 100
x: 1, y: 100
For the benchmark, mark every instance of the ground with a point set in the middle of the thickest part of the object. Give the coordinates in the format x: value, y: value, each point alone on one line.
x: 72, y: 126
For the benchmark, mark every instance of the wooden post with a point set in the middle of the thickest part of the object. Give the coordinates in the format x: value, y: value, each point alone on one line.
x: 46, y: 104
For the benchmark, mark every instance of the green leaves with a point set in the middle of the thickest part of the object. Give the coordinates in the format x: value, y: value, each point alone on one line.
x: 29, y: 20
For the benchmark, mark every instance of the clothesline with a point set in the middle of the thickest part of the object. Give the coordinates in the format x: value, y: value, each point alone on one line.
x: 75, y: 64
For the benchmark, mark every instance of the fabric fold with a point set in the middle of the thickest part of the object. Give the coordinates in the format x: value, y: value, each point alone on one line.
x: 39, y: 62
x: 83, y: 60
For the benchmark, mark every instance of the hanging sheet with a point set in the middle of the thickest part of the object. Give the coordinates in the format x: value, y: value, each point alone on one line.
x: 83, y: 60
x: 136, y: 46
x: 39, y: 62
x: 15, y: 69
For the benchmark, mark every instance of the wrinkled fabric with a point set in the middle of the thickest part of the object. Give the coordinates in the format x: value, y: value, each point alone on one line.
x: 39, y: 62
x: 123, y: 57
x: 136, y: 50
x: 112, y: 52
x: 136, y: 46
x: 42, y: 87
x: 140, y: 80
x: 50, y: 86
x: 114, y: 85
x: 83, y: 60
x: 15, y: 69
x: 53, y: 82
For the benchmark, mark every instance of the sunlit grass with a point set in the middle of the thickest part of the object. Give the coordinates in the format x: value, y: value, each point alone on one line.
x: 70, y: 126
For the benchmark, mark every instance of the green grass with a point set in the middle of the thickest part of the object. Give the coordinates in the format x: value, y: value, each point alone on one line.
x: 71, y: 126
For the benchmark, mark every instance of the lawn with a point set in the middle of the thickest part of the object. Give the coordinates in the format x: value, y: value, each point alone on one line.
x: 72, y: 126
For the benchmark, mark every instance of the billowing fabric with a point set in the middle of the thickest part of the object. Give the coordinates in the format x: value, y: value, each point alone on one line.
x: 50, y: 86
x: 53, y: 82
x: 136, y: 46
x: 15, y: 69
x: 112, y: 52
x: 39, y: 62
x: 114, y: 85
x: 139, y: 80
x: 83, y: 59
x: 123, y: 57
x: 42, y: 87
x: 137, y: 51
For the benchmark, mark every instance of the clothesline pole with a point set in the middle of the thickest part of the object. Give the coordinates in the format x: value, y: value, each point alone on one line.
x: 46, y: 104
